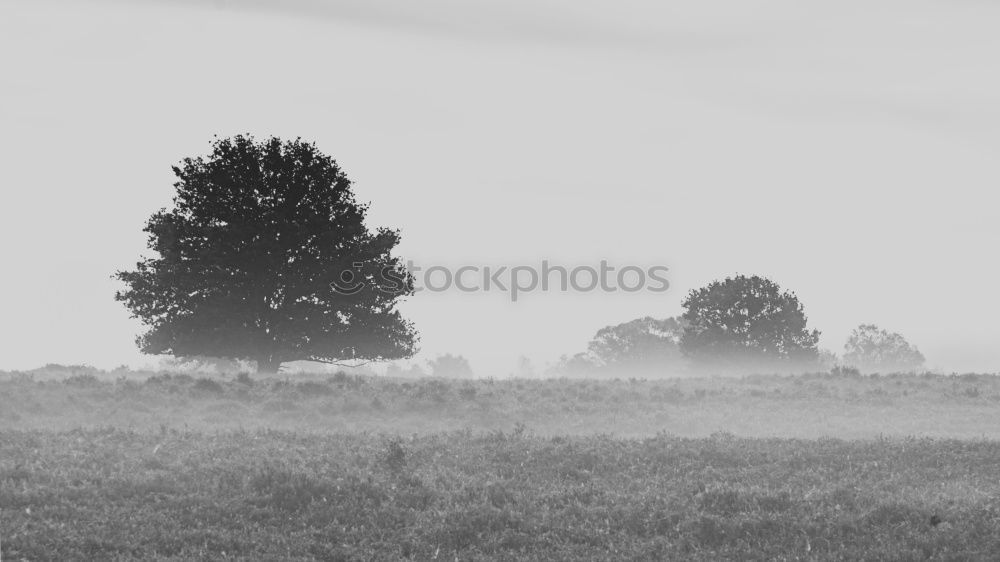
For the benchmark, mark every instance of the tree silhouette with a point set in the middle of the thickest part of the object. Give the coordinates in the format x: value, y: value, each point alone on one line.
x: 246, y: 258
x: 581, y: 363
x: 747, y: 322
x: 450, y: 366
x: 644, y: 346
x: 641, y: 344
x: 871, y: 348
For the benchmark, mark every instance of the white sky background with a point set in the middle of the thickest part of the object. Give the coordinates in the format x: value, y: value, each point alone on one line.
x: 847, y: 150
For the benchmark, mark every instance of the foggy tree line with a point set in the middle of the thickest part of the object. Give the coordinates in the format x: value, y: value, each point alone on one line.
x: 740, y: 324
x: 243, y: 269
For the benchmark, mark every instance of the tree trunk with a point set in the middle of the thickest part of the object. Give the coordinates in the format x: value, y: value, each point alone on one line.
x: 268, y: 365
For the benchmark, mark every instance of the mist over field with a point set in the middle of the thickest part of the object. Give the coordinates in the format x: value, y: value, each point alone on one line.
x: 131, y: 465
x: 480, y: 280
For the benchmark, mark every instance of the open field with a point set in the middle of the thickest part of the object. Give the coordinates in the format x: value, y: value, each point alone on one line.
x: 808, y: 467
x: 807, y: 406
x: 111, y: 494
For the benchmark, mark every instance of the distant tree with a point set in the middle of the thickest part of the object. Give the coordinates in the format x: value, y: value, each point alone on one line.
x: 747, y: 322
x: 827, y: 360
x: 525, y: 369
x: 450, y: 366
x: 642, y: 343
x: 580, y: 364
x: 647, y: 345
x: 246, y: 258
x: 414, y: 371
x: 872, y: 349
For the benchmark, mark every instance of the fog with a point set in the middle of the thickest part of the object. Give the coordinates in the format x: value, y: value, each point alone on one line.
x: 844, y: 150
x: 58, y: 399
x: 483, y: 279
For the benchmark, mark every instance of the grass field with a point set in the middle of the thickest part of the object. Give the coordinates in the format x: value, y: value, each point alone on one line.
x: 813, y: 467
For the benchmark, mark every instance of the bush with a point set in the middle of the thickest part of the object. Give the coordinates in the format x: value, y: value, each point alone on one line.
x: 167, y: 378
x: 82, y: 381
x: 394, y: 456
x: 208, y: 386
x: 845, y: 371
x: 312, y: 388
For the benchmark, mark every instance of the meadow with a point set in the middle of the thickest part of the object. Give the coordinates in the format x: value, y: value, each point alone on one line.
x: 159, y: 466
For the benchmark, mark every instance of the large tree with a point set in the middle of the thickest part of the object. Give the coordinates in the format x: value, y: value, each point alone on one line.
x: 747, y: 322
x: 870, y: 348
x: 247, y: 259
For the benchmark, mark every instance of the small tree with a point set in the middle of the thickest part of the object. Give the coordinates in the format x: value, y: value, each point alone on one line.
x: 747, y: 322
x: 872, y: 349
x: 450, y: 366
x: 245, y: 261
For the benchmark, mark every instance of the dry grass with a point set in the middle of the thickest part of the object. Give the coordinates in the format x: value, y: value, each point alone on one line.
x: 112, y: 494
x: 772, y: 406
x: 176, y: 468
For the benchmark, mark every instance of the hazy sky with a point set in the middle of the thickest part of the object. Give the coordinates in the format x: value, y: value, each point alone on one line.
x: 848, y: 150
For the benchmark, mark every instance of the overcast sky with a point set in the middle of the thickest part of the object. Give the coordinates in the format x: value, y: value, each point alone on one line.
x: 848, y: 150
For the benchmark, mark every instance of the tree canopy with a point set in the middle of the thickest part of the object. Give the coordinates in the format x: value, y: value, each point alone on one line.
x: 870, y: 348
x: 638, y: 344
x: 747, y: 322
x: 246, y: 257
x: 450, y: 366
x: 646, y: 346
